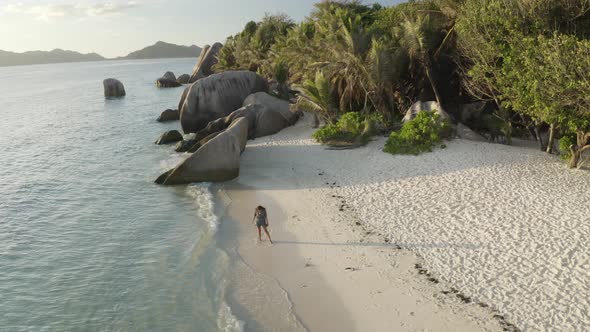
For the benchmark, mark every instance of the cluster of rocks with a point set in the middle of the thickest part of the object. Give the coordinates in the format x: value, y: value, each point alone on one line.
x: 203, y: 68
x: 169, y: 80
x: 219, y: 113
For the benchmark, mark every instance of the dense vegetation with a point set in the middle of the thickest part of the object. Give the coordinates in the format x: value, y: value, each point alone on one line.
x: 527, y: 60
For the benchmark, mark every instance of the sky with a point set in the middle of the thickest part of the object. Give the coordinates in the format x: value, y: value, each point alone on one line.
x: 116, y: 27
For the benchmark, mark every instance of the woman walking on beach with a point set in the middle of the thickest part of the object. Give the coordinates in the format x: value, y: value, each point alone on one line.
x: 261, y: 221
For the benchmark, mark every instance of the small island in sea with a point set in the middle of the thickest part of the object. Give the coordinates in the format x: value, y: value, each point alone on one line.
x: 421, y: 165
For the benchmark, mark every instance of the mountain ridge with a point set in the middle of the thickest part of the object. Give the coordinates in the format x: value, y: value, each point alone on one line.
x: 158, y: 50
x: 164, y: 50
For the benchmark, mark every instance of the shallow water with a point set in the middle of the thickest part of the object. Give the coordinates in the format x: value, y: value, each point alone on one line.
x: 87, y: 241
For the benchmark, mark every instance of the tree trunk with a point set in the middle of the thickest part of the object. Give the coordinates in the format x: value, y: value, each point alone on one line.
x: 539, y: 137
x: 575, y: 158
x: 428, y: 69
x: 583, y: 140
x: 316, y: 120
x: 434, y: 89
x: 505, y: 116
x: 551, y: 141
x: 509, y: 132
x: 532, y: 132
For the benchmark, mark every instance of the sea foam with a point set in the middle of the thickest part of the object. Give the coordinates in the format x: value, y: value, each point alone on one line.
x: 204, y: 201
x: 227, y: 321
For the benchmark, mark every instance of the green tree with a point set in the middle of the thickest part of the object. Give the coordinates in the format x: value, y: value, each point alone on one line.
x: 484, y: 28
x: 418, y: 38
x: 317, y: 96
x: 566, y: 59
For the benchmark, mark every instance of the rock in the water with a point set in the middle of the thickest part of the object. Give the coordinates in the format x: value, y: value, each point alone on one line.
x: 188, y: 142
x: 167, y: 81
x: 429, y: 106
x: 169, y: 115
x: 206, y: 61
x: 113, y: 88
x: 168, y: 137
x: 185, y: 145
x: 217, y: 96
x: 464, y: 132
x: 183, y: 79
x: 169, y: 76
x: 217, y: 160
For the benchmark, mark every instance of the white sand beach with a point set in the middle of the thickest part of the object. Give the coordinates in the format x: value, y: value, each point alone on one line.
x: 498, y: 226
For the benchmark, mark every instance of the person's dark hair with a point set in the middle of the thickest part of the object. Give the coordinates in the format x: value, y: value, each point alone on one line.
x: 260, y: 208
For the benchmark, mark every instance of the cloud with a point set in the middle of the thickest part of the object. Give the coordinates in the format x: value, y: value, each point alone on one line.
x: 50, y: 10
x: 110, y: 8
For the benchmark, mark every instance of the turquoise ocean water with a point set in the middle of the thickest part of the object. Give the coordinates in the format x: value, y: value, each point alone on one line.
x: 87, y: 241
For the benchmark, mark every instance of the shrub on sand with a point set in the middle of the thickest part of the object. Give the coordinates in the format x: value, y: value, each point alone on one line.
x: 352, y: 127
x: 418, y: 135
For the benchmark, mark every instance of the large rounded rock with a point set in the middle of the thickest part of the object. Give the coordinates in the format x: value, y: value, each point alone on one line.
x: 272, y: 115
x: 183, y: 79
x: 168, y: 137
x: 217, y: 160
x: 207, y: 59
x: 169, y: 115
x: 217, y: 96
x: 430, y: 106
x: 183, y: 97
x: 113, y: 88
x: 168, y: 80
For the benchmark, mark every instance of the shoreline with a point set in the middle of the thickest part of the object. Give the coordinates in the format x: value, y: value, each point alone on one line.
x: 414, y: 242
x: 337, y: 275
x: 362, y: 281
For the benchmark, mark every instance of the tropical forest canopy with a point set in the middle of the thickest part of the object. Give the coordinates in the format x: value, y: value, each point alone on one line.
x: 528, y: 59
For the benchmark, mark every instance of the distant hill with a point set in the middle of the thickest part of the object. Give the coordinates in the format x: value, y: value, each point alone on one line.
x: 40, y: 57
x: 165, y: 50
x: 156, y: 51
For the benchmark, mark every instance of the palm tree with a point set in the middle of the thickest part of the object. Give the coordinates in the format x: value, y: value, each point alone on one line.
x: 386, y: 64
x: 345, y: 43
x: 418, y: 39
x: 316, y: 96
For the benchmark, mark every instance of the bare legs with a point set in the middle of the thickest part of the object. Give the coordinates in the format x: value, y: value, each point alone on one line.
x: 267, y: 234
x: 265, y: 231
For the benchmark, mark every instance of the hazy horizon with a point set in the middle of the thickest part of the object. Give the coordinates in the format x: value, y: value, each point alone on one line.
x: 118, y: 27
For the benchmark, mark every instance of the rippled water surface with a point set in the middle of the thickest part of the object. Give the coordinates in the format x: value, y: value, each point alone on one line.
x: 87, y: 242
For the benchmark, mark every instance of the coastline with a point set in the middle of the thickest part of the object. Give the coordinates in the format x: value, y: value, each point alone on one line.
x: 337, y: 275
